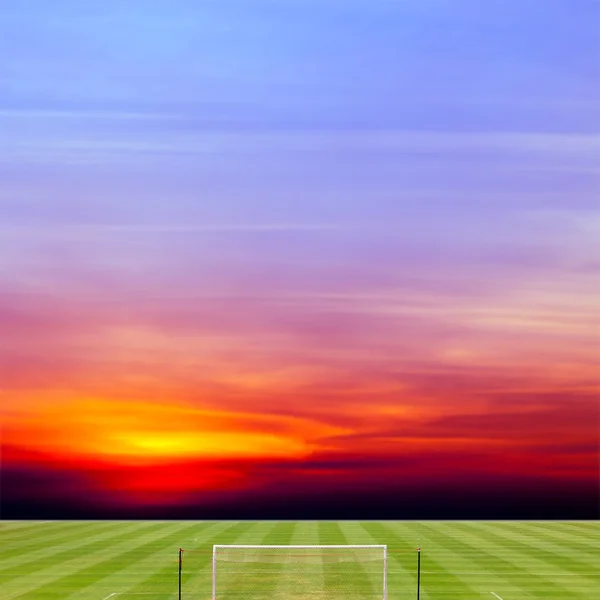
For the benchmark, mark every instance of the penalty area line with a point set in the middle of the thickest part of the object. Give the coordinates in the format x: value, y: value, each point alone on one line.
x: 494, y: 594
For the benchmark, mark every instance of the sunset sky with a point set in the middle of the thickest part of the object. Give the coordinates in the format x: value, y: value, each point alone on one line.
x: 300, y: 258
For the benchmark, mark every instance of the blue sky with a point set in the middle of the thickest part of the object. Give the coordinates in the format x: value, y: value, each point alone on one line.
x: 455, y: 125
x: 432, y: 64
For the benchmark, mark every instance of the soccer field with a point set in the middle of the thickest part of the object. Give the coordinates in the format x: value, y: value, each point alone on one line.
x: 459, y: 560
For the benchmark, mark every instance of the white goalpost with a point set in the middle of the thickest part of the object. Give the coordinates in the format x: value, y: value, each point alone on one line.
x: 293, y: 572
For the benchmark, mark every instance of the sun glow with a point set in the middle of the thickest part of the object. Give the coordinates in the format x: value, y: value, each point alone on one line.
x: 199, y: 444
x: 144, y: 432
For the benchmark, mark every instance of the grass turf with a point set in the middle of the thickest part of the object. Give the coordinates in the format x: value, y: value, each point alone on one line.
x: 460, y: 560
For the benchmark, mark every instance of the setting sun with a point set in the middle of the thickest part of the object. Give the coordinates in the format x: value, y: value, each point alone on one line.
x: 198, y: 444
x: 144, y: 432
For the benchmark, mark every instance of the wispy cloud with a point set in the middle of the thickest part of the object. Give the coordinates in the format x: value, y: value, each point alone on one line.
x: 62, y: 230
x: 85, y: 115
x: 546, y: 144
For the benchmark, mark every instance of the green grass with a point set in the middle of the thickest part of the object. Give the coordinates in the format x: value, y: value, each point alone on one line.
x: 460, y: 560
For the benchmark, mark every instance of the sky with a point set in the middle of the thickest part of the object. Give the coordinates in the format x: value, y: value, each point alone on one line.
x: 300, y: 258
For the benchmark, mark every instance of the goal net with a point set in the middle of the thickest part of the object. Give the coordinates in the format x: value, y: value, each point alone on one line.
x: 299, y: 572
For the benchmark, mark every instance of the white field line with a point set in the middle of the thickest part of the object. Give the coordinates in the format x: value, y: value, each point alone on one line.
x: 139, y: 594
x: 494, y: 594
x: 501, y: 573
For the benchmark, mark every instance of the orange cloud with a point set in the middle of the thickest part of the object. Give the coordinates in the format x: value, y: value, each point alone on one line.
x: 141, y: 432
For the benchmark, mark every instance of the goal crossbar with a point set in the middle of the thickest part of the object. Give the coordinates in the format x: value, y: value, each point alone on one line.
x: 251, y: 546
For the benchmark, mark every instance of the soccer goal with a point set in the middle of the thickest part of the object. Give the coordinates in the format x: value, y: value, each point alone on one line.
x: 264, y: 572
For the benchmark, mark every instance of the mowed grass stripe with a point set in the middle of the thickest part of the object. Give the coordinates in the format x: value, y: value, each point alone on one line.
x: 582, y: 578
x: 405, y: 536
x: 51, y: 567
x: 589, y: 529
x: 307, y: 533
x: 63, y: 578
x: 578, y: 525
x: 129, y: 561
x: 574, y: 540
x: 444, y: 568
x: 71, y: 552
x: 352, y: 577
x: 402, y: 557
x: 37, y: 546
x: 21, y: 529
x: 327, y: 537
x: 506, y: 571
x: 352, y: 532
x: 274, y: 578
x: 509, y: 564
x: 402, y: 562
x: 243, y: 533
x: 583, y: 531
x: 555, y: 556
x: 578, y: 545
x: 143, y: 562
x: 233, y: 578
x: 296, y: 573
x: 8, y: 525
x: 196, y: 566
x: 75, y: 550
x: 19, y: 524
x: 397, y: 539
